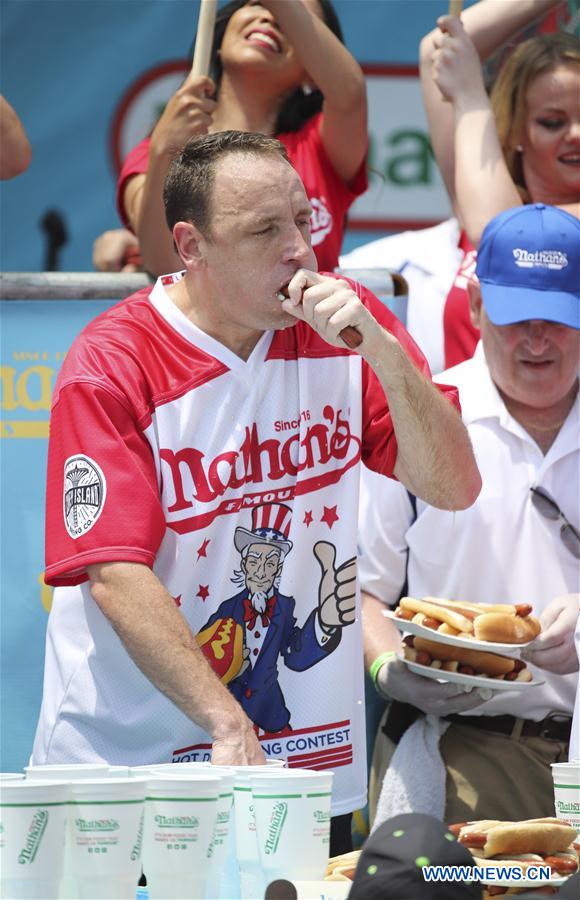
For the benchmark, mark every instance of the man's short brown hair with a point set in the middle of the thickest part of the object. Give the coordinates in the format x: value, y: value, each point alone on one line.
x: 189, y: 183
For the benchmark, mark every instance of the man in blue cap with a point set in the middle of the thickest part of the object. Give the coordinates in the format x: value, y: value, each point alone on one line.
x: 519, y: 542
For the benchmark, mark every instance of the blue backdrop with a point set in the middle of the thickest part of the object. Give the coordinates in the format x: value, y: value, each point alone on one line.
x: 66, y: 64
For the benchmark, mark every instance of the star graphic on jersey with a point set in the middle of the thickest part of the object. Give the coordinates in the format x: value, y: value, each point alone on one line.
x: 203, y: 592
x: 308, y: 518
x: 202, y: 551
x: 330, y: 516
x: 177, y: 600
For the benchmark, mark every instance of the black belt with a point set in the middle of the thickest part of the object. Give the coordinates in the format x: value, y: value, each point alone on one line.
x: 555, y: 727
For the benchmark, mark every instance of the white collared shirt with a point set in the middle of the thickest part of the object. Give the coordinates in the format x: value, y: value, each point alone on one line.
x: 500, y: 550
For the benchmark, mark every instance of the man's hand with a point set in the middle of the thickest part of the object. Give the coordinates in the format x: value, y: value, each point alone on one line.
x: 112, y: 250
x: 241, y: 749
x: 455, y: 64
x: 189, y: 112
x: 337, y: 591
x: 396, y: 681
x: 554, y: 648
x: 329, y: 305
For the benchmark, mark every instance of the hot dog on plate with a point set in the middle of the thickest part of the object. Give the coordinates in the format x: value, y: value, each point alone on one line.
x: 449, y: 658
x: 499, y: 623
x: 532, y: 842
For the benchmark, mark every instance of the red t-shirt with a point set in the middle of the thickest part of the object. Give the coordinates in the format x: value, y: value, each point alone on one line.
x: 459, y: 334
x: 329, y: 195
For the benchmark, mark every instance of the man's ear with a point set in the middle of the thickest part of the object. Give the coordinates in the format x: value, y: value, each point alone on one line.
x: 189, y: 244
x: 475, y: 301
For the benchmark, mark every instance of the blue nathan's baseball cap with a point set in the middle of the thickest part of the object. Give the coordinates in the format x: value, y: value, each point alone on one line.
x: 528, y: 265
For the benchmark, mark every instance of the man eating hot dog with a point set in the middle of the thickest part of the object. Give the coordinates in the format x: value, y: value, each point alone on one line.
x: 518, y: 544
x: 206, y: 432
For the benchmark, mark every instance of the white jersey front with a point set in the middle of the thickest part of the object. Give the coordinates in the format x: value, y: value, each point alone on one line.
x: 237, y: 482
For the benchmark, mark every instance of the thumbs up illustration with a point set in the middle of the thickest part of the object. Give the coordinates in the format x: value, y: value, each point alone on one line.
x: 337, y: 591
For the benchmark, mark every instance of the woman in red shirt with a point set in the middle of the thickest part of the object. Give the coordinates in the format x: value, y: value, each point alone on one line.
x: 278, y: 67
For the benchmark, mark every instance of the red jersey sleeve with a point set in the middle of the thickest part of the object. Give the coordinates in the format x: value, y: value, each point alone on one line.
x: 102, y: 502
x: 460, y: 336
x: 135, y: 164
x: 379, y: 444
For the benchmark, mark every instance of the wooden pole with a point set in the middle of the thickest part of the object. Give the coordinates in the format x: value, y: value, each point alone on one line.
x: 204, y: 38
x: 455, y: 8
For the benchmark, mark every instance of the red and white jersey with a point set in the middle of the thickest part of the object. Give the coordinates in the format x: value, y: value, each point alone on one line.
x: 329, y: 195
x: 169, y: 450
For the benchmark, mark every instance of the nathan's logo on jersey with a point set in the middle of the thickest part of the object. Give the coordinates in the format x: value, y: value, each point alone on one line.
x: 84, y: 494
x: 196, y: 479
x: 320, y: 220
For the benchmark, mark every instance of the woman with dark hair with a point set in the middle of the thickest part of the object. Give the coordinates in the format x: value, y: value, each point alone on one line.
x: 278, y: 67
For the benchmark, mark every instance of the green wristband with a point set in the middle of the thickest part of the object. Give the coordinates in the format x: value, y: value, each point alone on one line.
x: 379, y: 663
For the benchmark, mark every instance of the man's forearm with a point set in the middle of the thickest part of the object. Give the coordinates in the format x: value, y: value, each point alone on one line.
x: 435, y: 459
x: 159, y: 641
x: 146, y: 212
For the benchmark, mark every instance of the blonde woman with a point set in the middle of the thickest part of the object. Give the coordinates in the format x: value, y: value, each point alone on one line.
x: 521, y: 145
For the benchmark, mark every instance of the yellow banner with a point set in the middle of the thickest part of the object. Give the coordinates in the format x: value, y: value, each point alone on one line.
x: 23, y: 429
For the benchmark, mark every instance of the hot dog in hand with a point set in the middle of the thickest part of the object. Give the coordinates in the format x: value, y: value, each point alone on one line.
x: 499, y: 623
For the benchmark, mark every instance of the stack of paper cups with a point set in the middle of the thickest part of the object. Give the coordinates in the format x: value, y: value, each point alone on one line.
x: 567, y: 792
x: 33, y: 817
x: 292, y: 811
x: 67, y: 772
x: 221, y: 842
x: 242, y: 874
x: 105, y: 837
x: 180, y: 817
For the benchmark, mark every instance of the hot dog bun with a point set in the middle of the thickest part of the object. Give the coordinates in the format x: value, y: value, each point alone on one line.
x: 496, y: 623
x: 506, y: 629
x: 517, y: 837
x: 454, y: 619
x: 482, y: 661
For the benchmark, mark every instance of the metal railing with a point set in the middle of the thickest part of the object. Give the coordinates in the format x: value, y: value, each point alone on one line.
x: 70, y: 285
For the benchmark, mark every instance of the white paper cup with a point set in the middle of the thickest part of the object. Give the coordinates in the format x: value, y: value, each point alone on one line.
x: 243, y: 872
x: 180, y: 817
x: 33, y: 817
x: 64, y: 772
x: 105, y: 837
x: 567, y: 792
x: 222, y: 841
x: 292, y: 823
x: 119, y: 772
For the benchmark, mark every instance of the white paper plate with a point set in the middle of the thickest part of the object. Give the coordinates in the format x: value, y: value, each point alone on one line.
x: 528, y: 883
x: 493, y: 684
x: 452, y: 639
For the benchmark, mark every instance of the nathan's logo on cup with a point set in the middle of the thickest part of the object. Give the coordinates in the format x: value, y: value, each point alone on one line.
x: 136, y: 851
x: 571, y: 807
x: 222, y: 820
x: 34, y: 837
x: 97, y: 825
x: 176, y: 822
x: 322, y: 815
x: 275, y: 828
x: 540, y: 259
